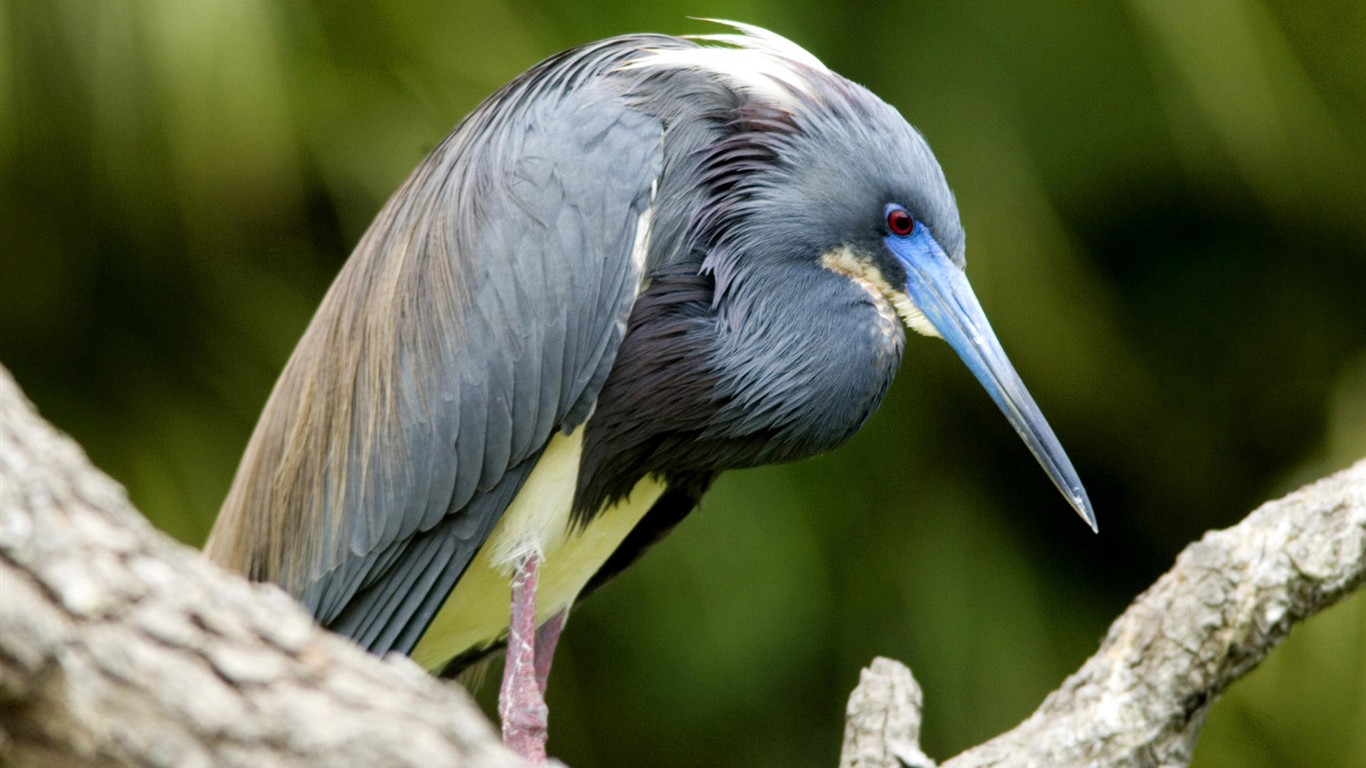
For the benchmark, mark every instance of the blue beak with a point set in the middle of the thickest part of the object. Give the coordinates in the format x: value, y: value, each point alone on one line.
x: 939, y: 289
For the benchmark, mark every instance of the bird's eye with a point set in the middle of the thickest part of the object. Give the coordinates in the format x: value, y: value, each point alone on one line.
x: 899, y: 222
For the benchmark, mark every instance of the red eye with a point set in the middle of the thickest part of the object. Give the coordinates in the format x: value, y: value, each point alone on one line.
x: 900, y: 222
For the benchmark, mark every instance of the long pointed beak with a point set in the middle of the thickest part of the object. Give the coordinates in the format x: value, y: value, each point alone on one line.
x: 939, y: 289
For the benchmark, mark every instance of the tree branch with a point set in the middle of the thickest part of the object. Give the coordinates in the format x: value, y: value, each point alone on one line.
x: 122, y: 648
x: 1142, y: 698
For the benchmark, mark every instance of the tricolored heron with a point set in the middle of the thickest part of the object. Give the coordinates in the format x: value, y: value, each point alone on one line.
x: 642, y: 262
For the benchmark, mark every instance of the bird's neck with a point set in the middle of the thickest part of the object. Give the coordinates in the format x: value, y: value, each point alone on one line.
x: 808, y: 356
x: 789, y: 366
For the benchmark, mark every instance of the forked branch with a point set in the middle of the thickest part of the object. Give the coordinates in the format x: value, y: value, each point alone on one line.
x: 1141, y: 699
x: 119, y: 647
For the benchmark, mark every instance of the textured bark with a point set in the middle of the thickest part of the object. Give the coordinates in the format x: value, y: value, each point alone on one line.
x: 882, y: 722
x: 119, y: 647
x: 1141, y: 699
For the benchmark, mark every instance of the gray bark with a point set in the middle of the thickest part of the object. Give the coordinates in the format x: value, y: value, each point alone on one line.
x: 1141, y: 699
x: 119, y: 647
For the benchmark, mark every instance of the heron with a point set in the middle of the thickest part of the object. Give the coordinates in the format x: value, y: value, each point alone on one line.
x: 644, y: 261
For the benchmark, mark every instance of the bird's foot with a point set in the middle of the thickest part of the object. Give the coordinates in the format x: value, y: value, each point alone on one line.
x: 525, y: 717
x: 521, y: 704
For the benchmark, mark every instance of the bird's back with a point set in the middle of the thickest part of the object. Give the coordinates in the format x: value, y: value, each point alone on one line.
x: 479, y: 314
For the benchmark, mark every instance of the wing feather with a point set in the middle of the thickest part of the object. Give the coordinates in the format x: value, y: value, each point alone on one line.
x: 479, y: 314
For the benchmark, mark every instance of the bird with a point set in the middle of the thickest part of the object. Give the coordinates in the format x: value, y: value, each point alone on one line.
x: 643, y: 262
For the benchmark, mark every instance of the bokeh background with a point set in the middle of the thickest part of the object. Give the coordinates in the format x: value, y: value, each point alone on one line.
x: 1166, y: 208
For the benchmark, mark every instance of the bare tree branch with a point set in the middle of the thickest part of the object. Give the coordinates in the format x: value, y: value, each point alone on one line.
x: 1141, y: 699
x: 122, y: 648
x: 882, y: 722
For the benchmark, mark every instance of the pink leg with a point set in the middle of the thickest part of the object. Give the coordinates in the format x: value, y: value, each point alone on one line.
x: 521, y: 705
x: 547, y: 637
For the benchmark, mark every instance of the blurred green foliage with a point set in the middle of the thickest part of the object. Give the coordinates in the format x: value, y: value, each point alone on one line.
x: 1166, y: 204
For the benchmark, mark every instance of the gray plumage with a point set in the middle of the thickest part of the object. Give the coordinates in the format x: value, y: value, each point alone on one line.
x: 487, y: 308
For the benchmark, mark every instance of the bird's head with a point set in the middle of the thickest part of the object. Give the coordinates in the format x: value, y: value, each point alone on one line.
x: 820, y: 169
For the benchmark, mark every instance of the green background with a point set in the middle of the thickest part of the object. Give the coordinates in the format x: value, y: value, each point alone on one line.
x: 1166, y: 208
